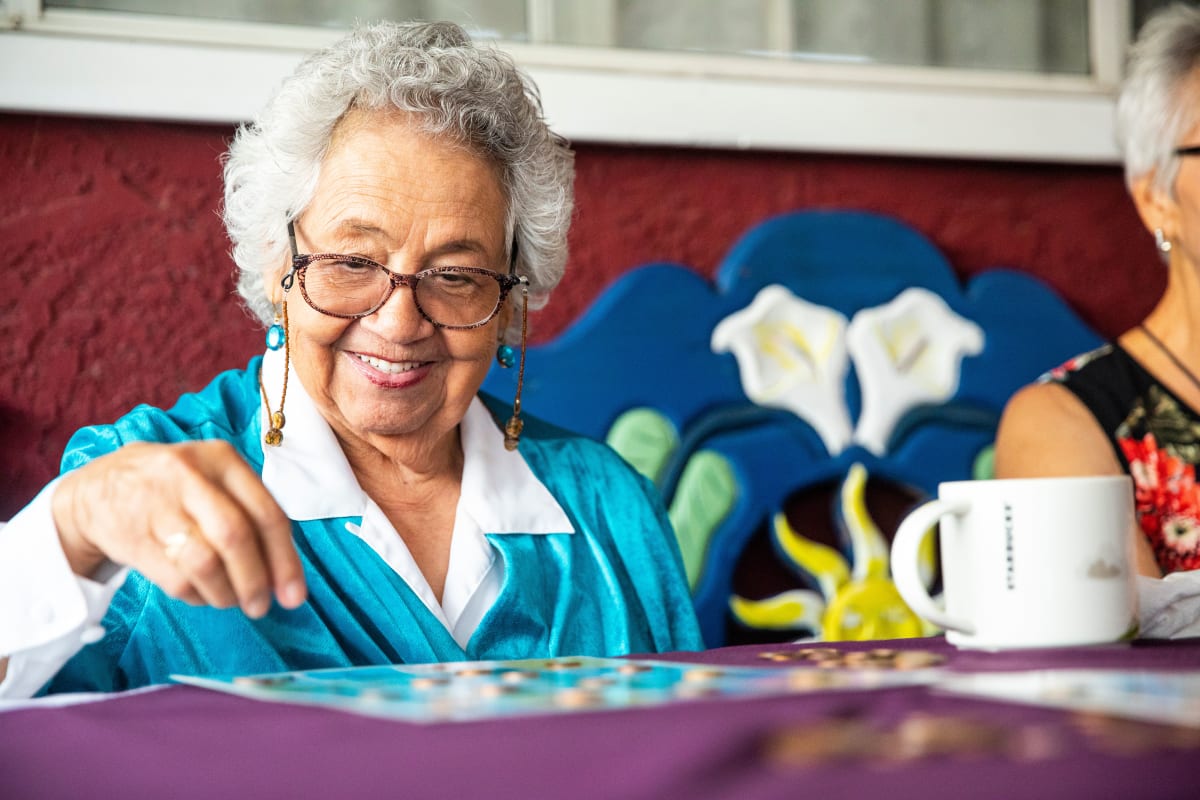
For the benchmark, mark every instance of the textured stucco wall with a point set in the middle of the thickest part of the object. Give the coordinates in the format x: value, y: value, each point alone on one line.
x: 118, y: 286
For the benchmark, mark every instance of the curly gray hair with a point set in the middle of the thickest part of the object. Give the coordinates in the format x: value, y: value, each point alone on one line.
x: 470, y: 94
x: 1155, y: 109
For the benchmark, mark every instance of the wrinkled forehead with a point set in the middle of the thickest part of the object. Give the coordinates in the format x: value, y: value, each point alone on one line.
x: 406, y: 123
x: 398, y: 140
x: 385, y: 181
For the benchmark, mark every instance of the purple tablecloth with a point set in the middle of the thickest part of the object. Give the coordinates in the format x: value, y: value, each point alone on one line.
x: 183, y: 742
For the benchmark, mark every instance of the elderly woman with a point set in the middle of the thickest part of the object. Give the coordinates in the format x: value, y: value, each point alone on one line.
x: 349, y: 498
x: 1132, y: 405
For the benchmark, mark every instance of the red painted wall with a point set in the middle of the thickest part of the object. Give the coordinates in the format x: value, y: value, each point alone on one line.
x: 117, y: 285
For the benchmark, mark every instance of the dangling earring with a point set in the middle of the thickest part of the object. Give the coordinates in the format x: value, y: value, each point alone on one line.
x: 506, y: 356
x: 512, y: 431
x: 277, y: 337
x: 1161, y: 241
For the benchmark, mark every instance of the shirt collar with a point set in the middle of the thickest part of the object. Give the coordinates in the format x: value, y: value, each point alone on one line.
x: 310, y: 478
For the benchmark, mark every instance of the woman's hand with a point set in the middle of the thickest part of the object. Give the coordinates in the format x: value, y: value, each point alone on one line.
x: 193, y: 517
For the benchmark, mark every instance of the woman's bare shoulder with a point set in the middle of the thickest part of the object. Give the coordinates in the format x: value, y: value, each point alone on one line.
x: 1046, y: 430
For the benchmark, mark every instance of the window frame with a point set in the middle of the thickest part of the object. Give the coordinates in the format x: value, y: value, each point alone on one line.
x: 60, y: 61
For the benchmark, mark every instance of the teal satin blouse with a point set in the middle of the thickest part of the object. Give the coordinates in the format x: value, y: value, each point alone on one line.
x: 615, y: 586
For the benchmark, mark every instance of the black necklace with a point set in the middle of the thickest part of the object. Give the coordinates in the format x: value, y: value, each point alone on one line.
x: 1191, y: 376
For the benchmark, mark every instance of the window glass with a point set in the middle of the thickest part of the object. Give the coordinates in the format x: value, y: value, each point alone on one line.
x: 1041, y: 36
x: 1025, y: 35
x: 499, y: 19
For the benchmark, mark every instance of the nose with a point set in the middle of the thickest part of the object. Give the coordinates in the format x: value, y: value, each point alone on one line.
x: 398, y: 319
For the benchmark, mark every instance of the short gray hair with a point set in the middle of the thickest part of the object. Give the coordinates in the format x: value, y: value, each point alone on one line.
x: 467, y: 93
x: 1153, y: 114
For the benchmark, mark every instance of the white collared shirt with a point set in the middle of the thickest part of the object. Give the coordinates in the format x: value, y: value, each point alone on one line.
x: 47, y: 613
x: 310, y: 479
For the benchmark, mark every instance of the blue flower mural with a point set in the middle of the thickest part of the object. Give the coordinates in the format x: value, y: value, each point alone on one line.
x: 831, y: 342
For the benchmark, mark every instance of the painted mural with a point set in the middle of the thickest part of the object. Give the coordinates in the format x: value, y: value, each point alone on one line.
x: 791, y: 410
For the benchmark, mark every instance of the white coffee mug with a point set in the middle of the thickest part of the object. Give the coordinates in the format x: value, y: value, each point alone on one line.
x: 1027, y: 562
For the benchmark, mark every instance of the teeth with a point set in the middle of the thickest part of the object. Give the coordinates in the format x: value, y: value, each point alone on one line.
x: 390, y: 367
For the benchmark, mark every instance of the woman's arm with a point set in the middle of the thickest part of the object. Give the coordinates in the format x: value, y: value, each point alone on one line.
x: 192, y: 517
x: 47, y: 613
x: 1046, y: 431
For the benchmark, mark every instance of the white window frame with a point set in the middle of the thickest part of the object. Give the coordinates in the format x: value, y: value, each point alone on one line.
x: 62, y: 61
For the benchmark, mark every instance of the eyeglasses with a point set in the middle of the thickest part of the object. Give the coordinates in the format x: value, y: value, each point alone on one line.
x: 351, y: 287
x: 1193, y: 150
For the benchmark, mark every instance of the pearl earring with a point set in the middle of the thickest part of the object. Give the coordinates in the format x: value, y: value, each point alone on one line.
x: 1161, y: 241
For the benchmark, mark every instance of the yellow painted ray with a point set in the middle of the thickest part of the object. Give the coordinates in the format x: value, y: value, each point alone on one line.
x: 791, y: 610
x: 868, y: 549
x: 823, y: 563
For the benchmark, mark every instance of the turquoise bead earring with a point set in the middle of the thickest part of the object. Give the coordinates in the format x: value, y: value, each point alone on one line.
x: 276, y: 338
x: 504, y: 353
x: 276, y: 335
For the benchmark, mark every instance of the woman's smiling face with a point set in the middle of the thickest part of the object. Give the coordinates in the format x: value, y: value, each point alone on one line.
x: 395, y: 195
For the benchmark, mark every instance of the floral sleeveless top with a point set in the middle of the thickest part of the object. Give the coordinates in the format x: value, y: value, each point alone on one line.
x: 1156, y: 438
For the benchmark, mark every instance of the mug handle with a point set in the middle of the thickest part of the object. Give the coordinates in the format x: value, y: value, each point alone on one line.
x: 905, y: 575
